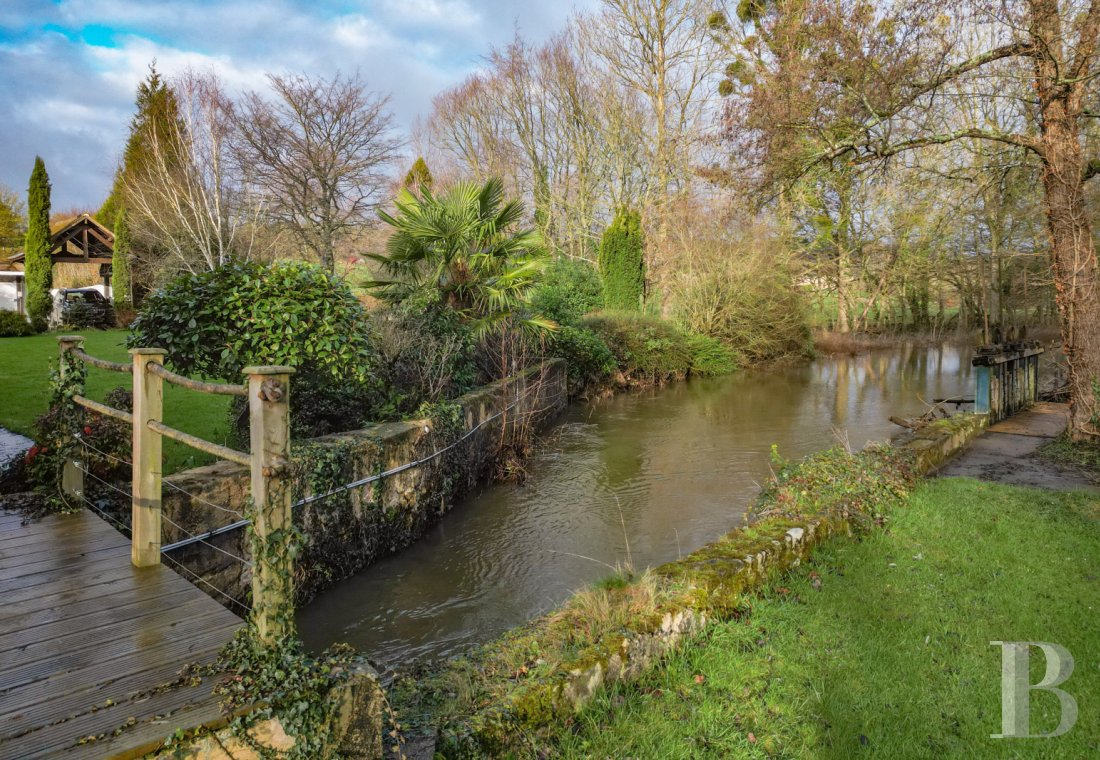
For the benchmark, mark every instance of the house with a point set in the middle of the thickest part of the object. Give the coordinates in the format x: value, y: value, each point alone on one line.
x: 81, y: 251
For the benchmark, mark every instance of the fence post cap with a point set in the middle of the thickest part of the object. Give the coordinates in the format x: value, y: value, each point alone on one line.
x: 147, y: 352
x: 70, y: 338
x: 269, y: 370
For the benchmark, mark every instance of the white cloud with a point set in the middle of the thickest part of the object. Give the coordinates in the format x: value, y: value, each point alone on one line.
x: 71, y: 102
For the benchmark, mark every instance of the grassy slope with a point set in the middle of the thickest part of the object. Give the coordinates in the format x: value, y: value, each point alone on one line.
x: 25, y: 365
x: 890, y: 658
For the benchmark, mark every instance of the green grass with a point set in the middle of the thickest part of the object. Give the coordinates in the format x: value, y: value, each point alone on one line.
x: 25, y: 365
x: 889, y: 656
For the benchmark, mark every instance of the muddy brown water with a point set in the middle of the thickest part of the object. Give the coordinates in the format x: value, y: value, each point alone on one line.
x: 644, y: 476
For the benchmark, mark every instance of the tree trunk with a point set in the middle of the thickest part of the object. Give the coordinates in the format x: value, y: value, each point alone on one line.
x: 1073, y: 257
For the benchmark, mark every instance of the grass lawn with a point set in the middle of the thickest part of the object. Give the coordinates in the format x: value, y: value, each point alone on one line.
x: 25, y: 365
x: 880, y: 648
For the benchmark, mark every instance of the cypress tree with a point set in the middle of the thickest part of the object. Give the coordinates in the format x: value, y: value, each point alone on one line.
x: 419, y: 175
x: 120, y: 264
x: 622, y: 262
x: 36, y: 247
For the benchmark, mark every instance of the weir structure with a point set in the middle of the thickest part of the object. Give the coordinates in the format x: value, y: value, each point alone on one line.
x: 1006, y: 379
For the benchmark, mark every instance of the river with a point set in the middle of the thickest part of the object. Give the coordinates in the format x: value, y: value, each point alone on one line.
x: 642, y: 476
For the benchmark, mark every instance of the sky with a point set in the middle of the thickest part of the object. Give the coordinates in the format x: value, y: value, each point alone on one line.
x: 69, y: 68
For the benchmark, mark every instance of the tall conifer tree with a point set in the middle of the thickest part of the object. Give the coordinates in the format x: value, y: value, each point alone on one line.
x: 156, y: 117
x: 37, y: 265
x: 622, y: 262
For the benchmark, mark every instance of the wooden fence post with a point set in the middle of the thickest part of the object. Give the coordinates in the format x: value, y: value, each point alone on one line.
x: 272, y: 563
x: 148, y: 405
x: 72, y: 477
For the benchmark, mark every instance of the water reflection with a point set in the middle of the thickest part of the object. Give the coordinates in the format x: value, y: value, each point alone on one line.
x: 674, y: 467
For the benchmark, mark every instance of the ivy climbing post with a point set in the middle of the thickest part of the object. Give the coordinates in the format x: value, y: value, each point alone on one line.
x: 274, y: 540
x: 146, y: 484
x: 72, y: 477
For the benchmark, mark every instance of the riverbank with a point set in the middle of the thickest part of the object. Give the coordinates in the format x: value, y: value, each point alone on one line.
x: 646, y: 665
x: 524, y: 688
x: 880, y: 648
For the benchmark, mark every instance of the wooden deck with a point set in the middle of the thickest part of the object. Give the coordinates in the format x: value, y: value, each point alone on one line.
x: 86, y: 639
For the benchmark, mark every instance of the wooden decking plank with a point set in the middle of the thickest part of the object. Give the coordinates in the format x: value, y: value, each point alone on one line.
x: 49, y: 708
x: 18, y: 636
x: 156, y: 583
x: 79, y: 626
x: 16, y: 543
x: 55, y: 658
x: 42, y: 562
x: 72, y: 524
x: 61, y: 740
x: 64, y: 574
x: 38, y: 620
x: 121, y: 573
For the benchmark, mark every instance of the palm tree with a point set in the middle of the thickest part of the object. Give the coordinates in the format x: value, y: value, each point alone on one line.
x: 462, y: 243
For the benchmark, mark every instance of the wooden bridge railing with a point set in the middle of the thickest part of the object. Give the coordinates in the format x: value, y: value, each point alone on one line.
x: 1006, y: 379
x: 268, y: 392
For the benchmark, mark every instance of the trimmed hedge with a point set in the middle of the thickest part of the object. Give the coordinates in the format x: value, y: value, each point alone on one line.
x: 14, y: 325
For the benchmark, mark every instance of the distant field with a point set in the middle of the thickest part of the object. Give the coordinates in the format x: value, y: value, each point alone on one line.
x: 25, y: 365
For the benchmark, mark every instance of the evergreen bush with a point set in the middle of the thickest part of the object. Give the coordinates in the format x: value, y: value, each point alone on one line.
x: 622, y: 262
x: 214, y: 324
x: 570, y: 288
x: 589, y: 361
x: 646, y: 348
x: 14, y: 325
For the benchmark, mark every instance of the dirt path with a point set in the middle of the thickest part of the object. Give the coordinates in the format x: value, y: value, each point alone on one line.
x: 1007, y: 453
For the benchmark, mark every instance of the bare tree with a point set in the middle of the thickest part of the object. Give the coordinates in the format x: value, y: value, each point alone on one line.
x: 864, y: 84
x: 189, y: 202
x: 319, y: 150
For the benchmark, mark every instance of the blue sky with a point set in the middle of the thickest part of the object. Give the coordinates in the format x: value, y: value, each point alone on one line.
x: 70, y: 67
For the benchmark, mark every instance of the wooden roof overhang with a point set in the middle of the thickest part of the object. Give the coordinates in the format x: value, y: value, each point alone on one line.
x: 81, y: 241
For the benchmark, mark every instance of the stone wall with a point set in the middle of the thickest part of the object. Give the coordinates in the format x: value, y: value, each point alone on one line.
x: 348, y: 531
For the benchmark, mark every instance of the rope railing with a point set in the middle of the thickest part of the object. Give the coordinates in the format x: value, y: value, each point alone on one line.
x: 102, y: 363
x: 200, y: 539
x: 99, y: 408
x: 221, y: 452
x: 401, y: 468
x: 208, y: 584
x: 269, y: 410
x: 222, y: 389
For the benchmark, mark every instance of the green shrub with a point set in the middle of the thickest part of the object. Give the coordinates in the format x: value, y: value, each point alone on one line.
x: 645, y: 347
x: 622, y: 262
x: 747, y: 300
x: 215, y: 324
x: 319, y: 405
x: 14, y: 325
x: 710, y: 357
x: 426, y: 353
x: 588, y: 360
x: 570, y: 288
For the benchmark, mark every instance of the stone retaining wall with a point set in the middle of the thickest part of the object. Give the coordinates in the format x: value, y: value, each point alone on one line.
x: 349, y: 531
